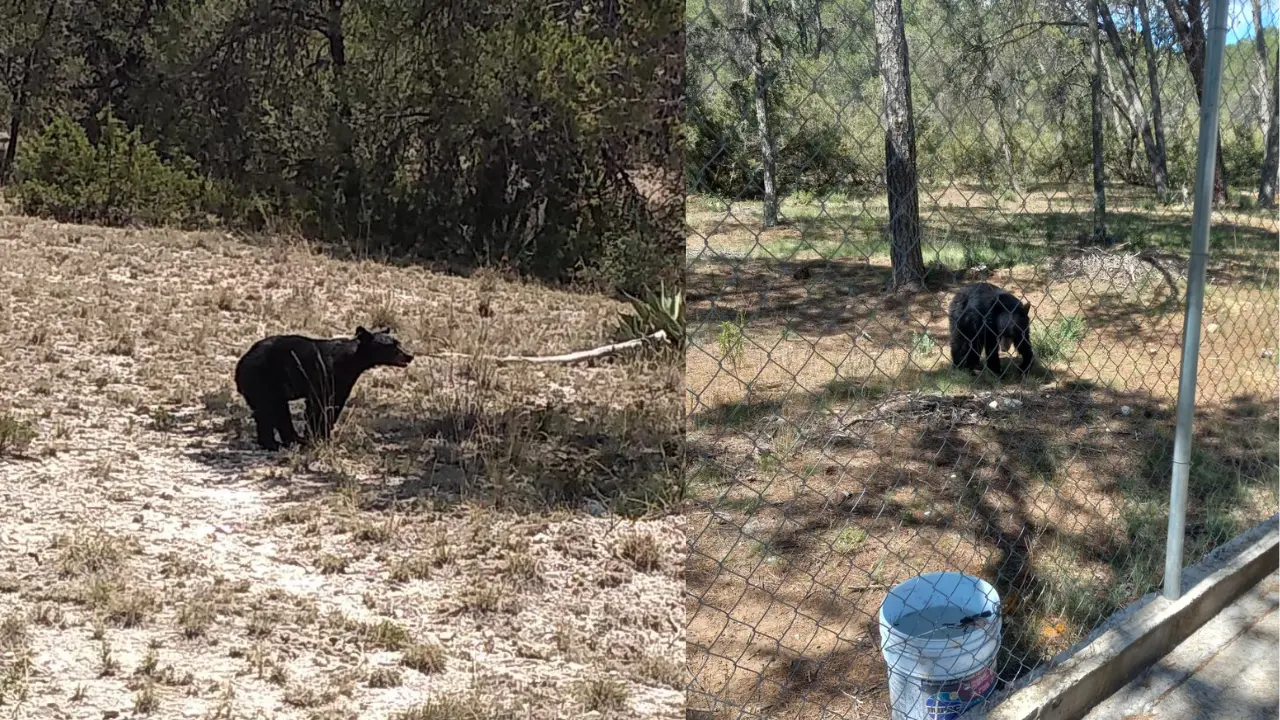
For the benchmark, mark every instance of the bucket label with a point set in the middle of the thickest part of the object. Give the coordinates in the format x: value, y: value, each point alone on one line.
x: 949, y: 701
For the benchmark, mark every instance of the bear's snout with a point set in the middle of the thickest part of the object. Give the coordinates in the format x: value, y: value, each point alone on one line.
x: 403, y: 360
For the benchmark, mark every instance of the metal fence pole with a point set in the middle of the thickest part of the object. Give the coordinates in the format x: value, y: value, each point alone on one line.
x: 1200, y: 214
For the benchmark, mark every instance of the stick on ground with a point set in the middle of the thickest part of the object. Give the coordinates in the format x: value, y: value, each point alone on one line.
x: 568, y: 358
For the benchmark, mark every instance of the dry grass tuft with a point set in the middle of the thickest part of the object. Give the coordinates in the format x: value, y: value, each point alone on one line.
x: 641, y: 549
x: 426, y: 658
x: 93, y: 551
x: 385, y: 677
x: 15, y: 435
x: 416, y: 567
x: 465, y: 707
x: 602, y: 694
x: 485, y: 599
x: 659, y: 670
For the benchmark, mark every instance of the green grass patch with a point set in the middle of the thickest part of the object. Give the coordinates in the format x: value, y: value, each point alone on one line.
x: 1056, y: 341
x: 849, y: 539
x: 730, y: 342
x: 15, y: 435
x: 922, y: 345
x: 747, y: 504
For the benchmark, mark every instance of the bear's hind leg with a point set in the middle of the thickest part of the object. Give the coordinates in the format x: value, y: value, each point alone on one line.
x: 963, y: 353
x: 991, y: 345
x: 266, y: 430
x: 262, y: 410
x: 283, y: 421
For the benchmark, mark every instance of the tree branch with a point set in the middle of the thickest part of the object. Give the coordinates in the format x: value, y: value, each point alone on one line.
x: 1035, y: 26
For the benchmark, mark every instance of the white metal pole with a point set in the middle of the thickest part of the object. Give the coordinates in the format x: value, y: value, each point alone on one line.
x: 1200, y: 215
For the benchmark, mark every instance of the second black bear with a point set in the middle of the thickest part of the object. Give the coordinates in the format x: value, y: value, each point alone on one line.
x: 281, y: 368
x: 984, y: 320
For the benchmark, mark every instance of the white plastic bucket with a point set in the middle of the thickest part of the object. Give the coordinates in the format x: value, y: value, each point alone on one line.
x: 939, y: 635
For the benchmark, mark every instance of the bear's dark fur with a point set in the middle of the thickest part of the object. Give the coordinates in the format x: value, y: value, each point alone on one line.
x: 281, y: 368
x: 984, y: 320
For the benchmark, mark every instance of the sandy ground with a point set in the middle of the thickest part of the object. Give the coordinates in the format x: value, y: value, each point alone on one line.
x: 466, y: 547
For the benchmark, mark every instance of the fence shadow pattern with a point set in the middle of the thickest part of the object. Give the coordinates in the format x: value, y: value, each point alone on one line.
x: 834, y: 451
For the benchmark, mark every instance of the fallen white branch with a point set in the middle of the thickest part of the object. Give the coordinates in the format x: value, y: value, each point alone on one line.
x: 569, y: 358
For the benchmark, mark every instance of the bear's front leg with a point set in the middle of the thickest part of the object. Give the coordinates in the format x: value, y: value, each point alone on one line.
x: 1026, y: 356
x: 320, y: 419
x: 284, y: 425
x: 993, y: 359
x: 964, y: 354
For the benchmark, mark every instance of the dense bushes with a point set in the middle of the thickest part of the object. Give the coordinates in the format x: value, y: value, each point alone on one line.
x: 118, y: 180
x: 1242, y: 153
x: 724, y: 157
x: 504, y: 132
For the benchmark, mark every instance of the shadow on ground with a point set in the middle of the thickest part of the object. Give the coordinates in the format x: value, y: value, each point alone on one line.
x: 528, y: 458
x: 844, y: 291
x: 1056, y: 496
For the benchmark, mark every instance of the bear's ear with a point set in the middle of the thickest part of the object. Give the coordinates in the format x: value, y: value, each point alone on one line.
x: 362, y: 334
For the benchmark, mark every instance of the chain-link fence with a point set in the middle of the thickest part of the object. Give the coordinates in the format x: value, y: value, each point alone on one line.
x: 851, y: 165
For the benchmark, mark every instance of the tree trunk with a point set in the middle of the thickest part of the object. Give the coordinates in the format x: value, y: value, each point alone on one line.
x: 1264, y: 89
x: 1121, y: 110
x: 23, y: 95
x: 1160, y: 163
x: 769, y: 211
x: 1095, y: 102
x: 1006, y: 147
x: 11, y: 147
x: 1137, y: 111
x: 760, y: 91
x: 899, y: 144
x: 344, y: 134
x: 1268, y: 112
x: 1188, y: 24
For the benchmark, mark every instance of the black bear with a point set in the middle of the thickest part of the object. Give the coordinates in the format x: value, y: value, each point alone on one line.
x: 281, y: 368
x: 984, y: 320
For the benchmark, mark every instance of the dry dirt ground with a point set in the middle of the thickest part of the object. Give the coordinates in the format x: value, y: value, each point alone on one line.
x: 479, y: 540
x: 833, y: 453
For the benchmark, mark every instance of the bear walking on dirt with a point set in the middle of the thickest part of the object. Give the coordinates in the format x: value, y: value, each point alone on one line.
x: 281, y: 368
x: 984, y: 320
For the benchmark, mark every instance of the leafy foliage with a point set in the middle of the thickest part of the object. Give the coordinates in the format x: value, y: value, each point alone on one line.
x: 979, y: 91
x: 653, y: 312
x: 15, y: 435
x: 510, y: 132
x: 118, y: 180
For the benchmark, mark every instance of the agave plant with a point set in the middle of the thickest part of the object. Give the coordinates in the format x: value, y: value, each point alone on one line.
x: 655, y: 311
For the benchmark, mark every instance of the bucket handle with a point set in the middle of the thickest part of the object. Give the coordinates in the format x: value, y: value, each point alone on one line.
x: 981, y: 619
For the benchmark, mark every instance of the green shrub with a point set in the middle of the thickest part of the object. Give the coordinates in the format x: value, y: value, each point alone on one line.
x: 655, y: 311
x: 119, y: 180
x: 730, y: 340
x: 1242, y: 155
x: 1057, y: 340
x: 15, y: 435
x: 631, y: 248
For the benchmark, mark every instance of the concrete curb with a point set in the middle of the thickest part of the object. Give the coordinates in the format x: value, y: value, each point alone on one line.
x: 1136, y: 637
x: 1194, y: 669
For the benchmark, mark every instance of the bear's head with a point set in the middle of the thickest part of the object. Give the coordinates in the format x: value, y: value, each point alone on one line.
x: 382, y: 349
x: 1015, y: 327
